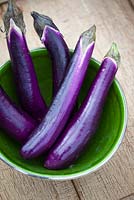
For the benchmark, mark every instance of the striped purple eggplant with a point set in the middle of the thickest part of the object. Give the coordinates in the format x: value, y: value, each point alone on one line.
x: 56, y: 46
x: 77, y: 134
x: 13, y: 120
x: 22, y: 65
x: 45, y: 135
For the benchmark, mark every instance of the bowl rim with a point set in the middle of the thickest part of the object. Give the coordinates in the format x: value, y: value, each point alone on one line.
x: 91, y: 169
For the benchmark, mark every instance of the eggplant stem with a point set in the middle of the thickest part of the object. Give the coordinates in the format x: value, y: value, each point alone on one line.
x: 13, y: 26
x: 88, y: 37
x: 14, y: 12
x: 40, y: 21
x: 114, y: 53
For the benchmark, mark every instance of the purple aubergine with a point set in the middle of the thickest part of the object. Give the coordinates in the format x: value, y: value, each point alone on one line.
x: 13, y: 120
x: 22, y: 64
x: 56, y: 46
x: 53, y: 123
x: 77, y: 134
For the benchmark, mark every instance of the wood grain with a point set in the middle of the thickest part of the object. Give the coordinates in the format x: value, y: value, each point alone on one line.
x: 129, y: 197
x: 115, y: 22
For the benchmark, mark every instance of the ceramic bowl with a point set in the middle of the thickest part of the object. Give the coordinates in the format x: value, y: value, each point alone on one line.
x: 102, y: 146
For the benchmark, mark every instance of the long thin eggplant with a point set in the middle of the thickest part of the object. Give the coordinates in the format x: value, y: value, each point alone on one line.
x: 13, y: 120
x: 56, y: 46
x: 22, y: 65
x: 77, y: 134
x: 53, y: 123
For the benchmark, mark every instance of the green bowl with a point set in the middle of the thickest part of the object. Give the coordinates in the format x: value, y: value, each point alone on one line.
x: 102, y: 146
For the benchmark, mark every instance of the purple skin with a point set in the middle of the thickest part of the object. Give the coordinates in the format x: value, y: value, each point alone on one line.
x: 77, y: 134
x: 24, y: 73
x: 48, y: 131
x: 56, y: 46
x: 14, y: 121
x: 59, y: 53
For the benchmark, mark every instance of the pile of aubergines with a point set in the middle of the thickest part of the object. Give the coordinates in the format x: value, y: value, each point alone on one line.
x: 59, y: 131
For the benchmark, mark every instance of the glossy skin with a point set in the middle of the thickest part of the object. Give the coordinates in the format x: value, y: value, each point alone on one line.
x: 56, y: 46
x: 84, y: 124
x: 59, y: 53
x: 14, y: 121
x: 53, y: 123
x: 24, y: 73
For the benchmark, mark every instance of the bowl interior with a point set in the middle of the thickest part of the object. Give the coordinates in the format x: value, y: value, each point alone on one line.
x: 102, y: 144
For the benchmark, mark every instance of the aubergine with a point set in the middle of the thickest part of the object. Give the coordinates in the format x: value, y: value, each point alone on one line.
x: 45, y: 135
x: 13, y: 120
x: 22, y: 64
x: 84, y: 124
x: 56, y: 46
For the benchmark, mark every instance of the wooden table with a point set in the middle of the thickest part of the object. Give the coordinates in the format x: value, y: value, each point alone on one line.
x: 115, y: 22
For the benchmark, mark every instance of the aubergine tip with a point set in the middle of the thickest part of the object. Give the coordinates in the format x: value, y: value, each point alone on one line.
x: 90, y: 34
x: 12, y: 23
x: 88, y: 37
x: 14, y: 27
x: 33, y: 14
x: 46, y: 30
x: 114, y: 53
x: 40, y: 21
x: 43, y: 20
x: 50, y: 163
x: 36, y: 15
x: 14, y: 12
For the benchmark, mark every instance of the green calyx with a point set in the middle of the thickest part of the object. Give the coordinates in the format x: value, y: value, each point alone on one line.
x: 114, y: 53
x: 88, y: 37
x: 14, y: 12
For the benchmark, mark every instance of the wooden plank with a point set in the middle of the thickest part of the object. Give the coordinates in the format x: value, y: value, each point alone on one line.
x: 129, y: 197
x: 14, y: 186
